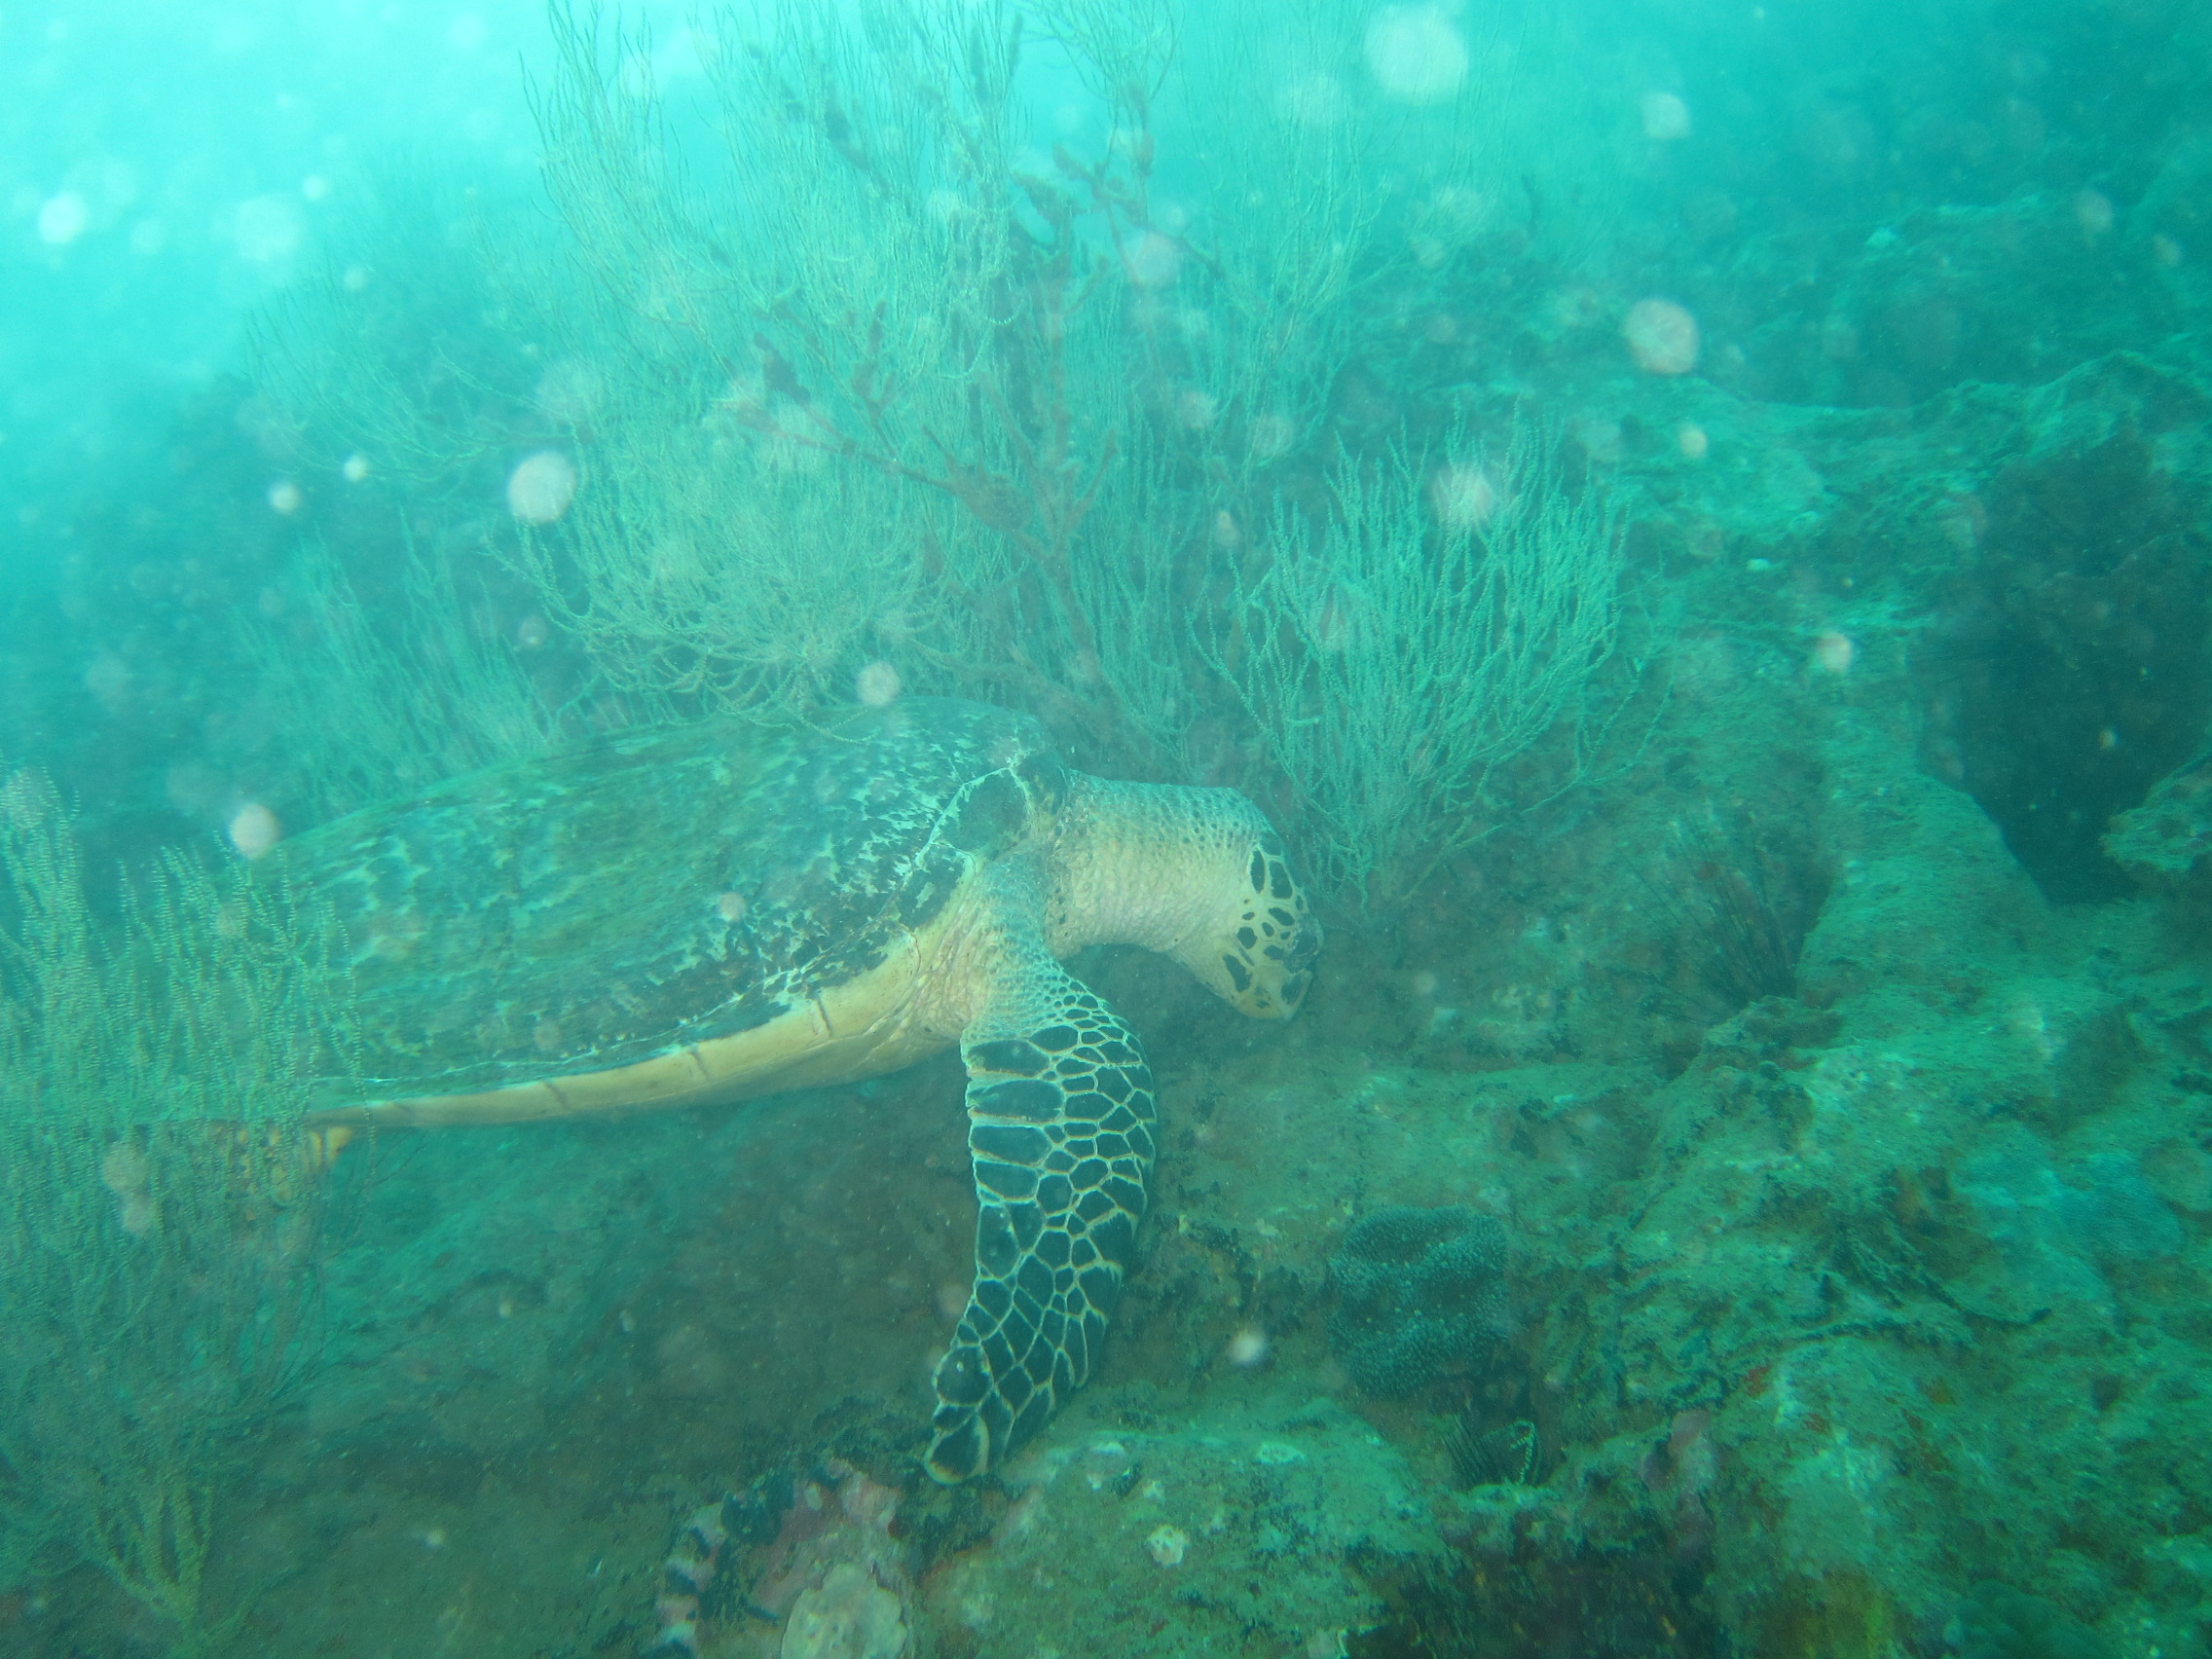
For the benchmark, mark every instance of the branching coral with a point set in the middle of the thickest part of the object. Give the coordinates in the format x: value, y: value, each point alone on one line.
x: 408, y: 344
x: 1449, y: 614
x: 892, y: 391
x: 885, y: 298
x: 1737, y: 901
x: 159, y: 1209
x: 366, y: 705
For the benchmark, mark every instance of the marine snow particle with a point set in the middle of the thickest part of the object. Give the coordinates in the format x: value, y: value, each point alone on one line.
x: 285, y: 497
x: 1168, y: 1545
x: 1315, y: 102
x: 541, y: 486
x: 877, y: 684
x: 1247, y: 1347
x: 254, y: 829
x: 266, y: 230
x: 1662, y: 337
x: 570, y: 391
x: 1665, y: 117
x: 1833, y: 651
x: 1463, y: 497
x: 1152, y: 261
x: 1416, y: 55
x: 62, y: 219
x: 1691, y: 440
x: 126, y: 1168
x: 125, y: 1171
x: 2093, y: 212
x: 1195, y: 409
x: 354, y: 468
x: 1272, y: 436
x: 1602, y: 440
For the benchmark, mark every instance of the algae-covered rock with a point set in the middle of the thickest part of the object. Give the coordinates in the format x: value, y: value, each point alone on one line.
x: 1998, y: 1622
x: 835, y: 1575
x: 1252, y: 1533
x: 850, y: 1614
x: 2166, y: 843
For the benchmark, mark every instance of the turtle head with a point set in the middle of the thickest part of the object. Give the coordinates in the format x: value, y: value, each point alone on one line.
x: 1198, y: 874
x: 1256, y: 950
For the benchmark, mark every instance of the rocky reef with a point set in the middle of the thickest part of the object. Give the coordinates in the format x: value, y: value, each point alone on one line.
x: 1757, y: 1203
x: 1844, y: 1099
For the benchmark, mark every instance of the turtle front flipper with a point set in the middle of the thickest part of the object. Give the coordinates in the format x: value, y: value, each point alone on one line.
x: 1061, y: 1128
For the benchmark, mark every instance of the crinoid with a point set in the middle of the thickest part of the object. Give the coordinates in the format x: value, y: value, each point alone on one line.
x: 1505, y: 1455
x: 1736, y: 901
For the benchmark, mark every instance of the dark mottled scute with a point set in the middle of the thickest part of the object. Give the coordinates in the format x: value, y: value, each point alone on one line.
x: 655, y: 888
x: 1420, y: 1295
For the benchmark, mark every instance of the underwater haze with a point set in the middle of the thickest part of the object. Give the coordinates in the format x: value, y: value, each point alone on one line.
x: 997, y: 828
x: 167, y: 168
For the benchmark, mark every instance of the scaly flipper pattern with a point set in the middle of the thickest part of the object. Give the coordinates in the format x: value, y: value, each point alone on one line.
x: 1061, y: 1119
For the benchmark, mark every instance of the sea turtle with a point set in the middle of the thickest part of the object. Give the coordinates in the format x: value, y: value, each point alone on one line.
x: 706, y: 912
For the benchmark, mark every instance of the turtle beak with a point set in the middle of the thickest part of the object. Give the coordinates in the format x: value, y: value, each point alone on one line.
x: 1298, y: 966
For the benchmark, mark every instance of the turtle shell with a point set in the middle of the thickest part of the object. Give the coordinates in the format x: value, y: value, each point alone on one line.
x: 656, y: 890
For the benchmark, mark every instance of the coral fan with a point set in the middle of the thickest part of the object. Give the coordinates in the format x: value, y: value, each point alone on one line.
x: 1421, y: 1296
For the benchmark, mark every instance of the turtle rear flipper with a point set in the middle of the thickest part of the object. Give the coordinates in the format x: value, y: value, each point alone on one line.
x: 1061, y: 1129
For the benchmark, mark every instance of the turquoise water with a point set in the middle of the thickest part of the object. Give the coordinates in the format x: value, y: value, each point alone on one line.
x: 1105, y: 828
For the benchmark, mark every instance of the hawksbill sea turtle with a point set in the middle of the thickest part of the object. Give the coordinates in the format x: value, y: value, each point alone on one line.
x: 704, y: 914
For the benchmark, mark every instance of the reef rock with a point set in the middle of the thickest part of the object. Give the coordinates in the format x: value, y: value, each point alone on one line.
x: 1259, y: 1531
x: 835, y: 1575
x: 2167, y: 842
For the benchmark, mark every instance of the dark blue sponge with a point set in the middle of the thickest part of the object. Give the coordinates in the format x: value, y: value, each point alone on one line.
x: 1420, y: 1295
